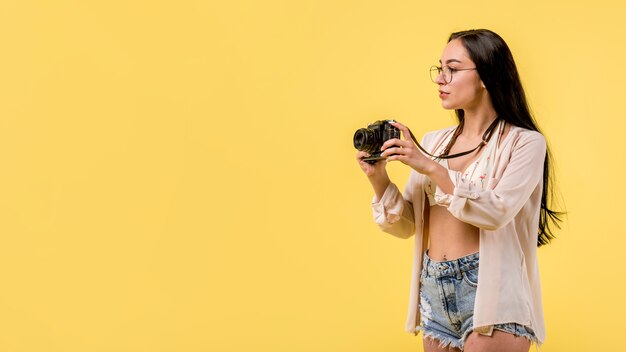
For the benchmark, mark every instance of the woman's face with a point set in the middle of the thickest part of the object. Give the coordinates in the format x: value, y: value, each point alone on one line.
x: 465, y: 90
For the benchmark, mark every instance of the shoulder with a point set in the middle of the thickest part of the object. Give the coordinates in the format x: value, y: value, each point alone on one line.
x: 524, y: 135
x: 525, y: 139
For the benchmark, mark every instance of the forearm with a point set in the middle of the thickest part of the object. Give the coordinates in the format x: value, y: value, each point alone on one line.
x: 440, y: 176
x: 393, y: 211
x: 380, y: 184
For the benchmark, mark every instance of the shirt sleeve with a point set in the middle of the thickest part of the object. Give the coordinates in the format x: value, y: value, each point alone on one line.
x: 393, y: 213
x: 493, y: 208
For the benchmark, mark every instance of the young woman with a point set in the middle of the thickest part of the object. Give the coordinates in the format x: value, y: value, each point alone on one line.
x: 478, y: 196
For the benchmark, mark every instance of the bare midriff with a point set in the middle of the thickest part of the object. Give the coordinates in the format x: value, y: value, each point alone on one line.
x: 449, y: 237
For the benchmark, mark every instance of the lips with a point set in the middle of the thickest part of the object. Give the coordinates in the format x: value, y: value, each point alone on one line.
x: 443, y: 94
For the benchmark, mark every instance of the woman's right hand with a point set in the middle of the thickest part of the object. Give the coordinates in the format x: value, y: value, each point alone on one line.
x: 371, y: 170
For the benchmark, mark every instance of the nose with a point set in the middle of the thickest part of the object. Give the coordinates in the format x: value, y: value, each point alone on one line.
x: 440, y: 80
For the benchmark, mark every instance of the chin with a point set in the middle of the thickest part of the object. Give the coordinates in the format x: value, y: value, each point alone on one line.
x: 448, y: 106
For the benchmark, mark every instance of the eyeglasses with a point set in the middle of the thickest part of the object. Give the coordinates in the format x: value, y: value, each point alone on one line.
x: 435, y: 71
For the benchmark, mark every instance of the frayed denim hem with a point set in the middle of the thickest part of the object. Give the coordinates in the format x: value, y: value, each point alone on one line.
x: 444, y: 342
x: 512, y: 328
x: 518, y: 332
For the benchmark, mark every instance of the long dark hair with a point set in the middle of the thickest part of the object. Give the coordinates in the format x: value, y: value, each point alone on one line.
x: 497, y: 70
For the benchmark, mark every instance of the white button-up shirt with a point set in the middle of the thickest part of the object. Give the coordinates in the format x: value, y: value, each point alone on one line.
x: 507, y: 215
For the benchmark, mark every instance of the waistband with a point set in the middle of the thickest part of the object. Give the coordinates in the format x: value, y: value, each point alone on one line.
x: 451, y: 267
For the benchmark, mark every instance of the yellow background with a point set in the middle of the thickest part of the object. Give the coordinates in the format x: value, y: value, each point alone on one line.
x: 180, y: 176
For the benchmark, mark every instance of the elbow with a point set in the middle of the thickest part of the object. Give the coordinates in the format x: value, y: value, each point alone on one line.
x: 491, y: 220
x: 490, y: 226
x: 494, y: 222
x: 398, y: 229
x: 403, y: 234
x: 399, y: 224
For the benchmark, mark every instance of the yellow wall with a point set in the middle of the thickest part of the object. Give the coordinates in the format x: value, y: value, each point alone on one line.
x: 180, y: 176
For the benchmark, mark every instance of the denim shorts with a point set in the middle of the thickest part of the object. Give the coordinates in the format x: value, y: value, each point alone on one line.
x: 447, y: 294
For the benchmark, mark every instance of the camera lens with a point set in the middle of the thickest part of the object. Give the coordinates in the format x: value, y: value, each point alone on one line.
x: 364, y: 140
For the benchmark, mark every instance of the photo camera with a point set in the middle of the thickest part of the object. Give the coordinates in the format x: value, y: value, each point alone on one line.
x: 370, y: 139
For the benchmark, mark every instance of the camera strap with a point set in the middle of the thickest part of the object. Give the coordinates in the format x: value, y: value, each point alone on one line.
x: 485, y: 139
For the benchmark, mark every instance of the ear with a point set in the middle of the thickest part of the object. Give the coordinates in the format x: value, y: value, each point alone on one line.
x: 482, y: 84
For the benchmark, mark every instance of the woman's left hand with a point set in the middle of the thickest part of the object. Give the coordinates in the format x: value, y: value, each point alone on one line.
x: 407, y: 152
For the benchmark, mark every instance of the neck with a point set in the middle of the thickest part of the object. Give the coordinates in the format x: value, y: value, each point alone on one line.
x: 477, y: 122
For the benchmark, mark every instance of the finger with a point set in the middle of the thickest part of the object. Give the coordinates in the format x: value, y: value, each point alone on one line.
x: 396, y: 124
x: 361, y: 159
x: 392, y: 151
x: 401, y: 158
x: 405, y: 131
x: 361, y: 155
x: 395, y: 142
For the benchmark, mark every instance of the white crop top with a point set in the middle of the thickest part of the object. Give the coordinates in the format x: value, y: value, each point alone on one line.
x: 476, y: 173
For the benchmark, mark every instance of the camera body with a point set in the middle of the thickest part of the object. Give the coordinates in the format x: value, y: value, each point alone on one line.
x: 370, y: 139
